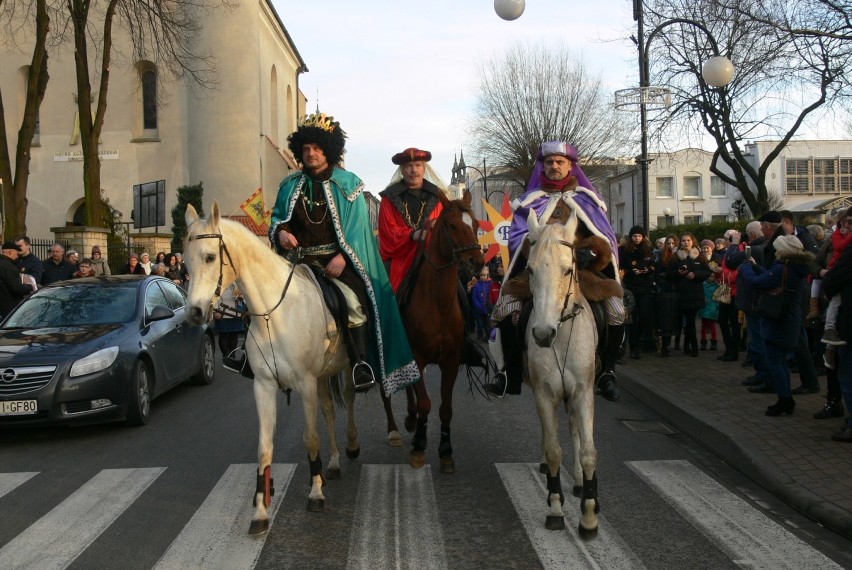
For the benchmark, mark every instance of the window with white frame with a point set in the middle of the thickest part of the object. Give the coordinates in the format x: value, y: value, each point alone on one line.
x: 665, y: 187
x: 717, y: 187
x: 719, y: 218
x: 694, y: 219
x: 692, y: 187
x: 818, y: 175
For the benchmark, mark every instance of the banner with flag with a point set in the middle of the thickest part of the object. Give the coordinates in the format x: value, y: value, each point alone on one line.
x: 255, y: 209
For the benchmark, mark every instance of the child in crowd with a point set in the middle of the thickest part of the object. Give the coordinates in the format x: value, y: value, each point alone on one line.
x: 481, y: 294
x: 710, y: 313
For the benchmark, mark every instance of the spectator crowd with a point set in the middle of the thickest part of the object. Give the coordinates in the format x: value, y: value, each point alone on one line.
x: 779, y: 295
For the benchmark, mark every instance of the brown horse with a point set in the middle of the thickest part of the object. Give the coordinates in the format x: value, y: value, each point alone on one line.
x: 435, y: 325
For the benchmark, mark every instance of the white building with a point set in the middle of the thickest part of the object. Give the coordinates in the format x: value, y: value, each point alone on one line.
x: 810, y: 177
x: 232, y: 137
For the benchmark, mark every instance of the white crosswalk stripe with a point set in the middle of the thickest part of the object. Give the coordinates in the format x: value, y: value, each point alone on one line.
x: 396, y: 523
x: 396, y: 520
x: 561, y: 549
x: 216, y: 536
x: 56, y: 539
x: 748, y: 536
x: 11, y: 481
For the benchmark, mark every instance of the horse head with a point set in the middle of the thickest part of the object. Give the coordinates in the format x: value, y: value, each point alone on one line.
x: 553, y: 281
x: 206, y: 254
x: 455, y: 233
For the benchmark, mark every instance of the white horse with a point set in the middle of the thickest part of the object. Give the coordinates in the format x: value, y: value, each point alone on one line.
x: 292, y: 342
x: 560, y: 364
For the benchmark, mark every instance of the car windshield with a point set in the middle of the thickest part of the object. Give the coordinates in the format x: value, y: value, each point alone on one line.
x: 75, y: 305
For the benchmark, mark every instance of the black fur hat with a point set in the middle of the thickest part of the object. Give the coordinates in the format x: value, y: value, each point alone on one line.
x: 323, y: 131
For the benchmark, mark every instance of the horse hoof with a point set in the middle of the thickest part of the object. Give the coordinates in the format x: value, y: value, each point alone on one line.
x: 554, y: 522
x: 585, y: 533
x: 542, y: 468
x: 316, y: 505
x: 448, y: 466
x: 417, y: 459
x: 259, y: 526
x: 394, y: 439
x: 353, y: 453
x: 577, y: 490
x: 332, y: 474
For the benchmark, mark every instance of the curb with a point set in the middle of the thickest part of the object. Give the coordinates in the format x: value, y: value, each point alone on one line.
x: 743, y: 456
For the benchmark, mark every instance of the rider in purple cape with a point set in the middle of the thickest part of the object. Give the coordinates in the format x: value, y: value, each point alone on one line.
x: 557, y: 180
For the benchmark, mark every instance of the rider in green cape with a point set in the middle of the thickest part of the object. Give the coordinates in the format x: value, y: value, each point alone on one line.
x: 321, y: 216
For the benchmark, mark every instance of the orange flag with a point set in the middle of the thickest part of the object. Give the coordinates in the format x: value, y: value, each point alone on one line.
x: 255, y: 209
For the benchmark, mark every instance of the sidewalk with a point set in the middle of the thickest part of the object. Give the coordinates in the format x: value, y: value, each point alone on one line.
x: 793, y: 457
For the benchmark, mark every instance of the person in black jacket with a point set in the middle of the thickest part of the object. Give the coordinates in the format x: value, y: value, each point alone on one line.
x: 636, y: 260
x: 56, y: 267
x: 12, y: 291
x: 688, y: 271
x: 27, y: 261
x: 838, y: 281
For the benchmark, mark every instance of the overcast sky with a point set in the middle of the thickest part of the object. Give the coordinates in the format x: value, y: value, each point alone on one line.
x: 398, y: 74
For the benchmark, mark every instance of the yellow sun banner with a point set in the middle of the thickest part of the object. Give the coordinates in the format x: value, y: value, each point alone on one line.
x: 496, y: 229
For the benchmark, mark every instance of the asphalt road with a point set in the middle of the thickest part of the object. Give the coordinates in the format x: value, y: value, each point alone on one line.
x: 177, y: 494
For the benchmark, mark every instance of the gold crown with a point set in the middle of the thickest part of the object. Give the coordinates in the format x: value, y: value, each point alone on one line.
x: 320, y: 121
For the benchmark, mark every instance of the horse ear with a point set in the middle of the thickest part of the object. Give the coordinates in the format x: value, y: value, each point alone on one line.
x: 468, y: 199
x: 215, y: 216
x: 191, y: 215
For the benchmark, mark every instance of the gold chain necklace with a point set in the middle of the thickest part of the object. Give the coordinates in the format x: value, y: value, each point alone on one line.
x: 419, y: 216
x: 305, y: 201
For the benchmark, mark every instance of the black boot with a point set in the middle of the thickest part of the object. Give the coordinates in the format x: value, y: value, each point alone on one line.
x: 784, y: 406
x: 362, y: 373
x: 607, y: 382
x: 511, y: 378
x: 833, y: 409
x: 237, y: 361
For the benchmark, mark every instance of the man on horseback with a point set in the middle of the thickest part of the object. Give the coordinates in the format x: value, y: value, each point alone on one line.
x: 558, y: 180
x: 408, y: 206
x: 321, y: 219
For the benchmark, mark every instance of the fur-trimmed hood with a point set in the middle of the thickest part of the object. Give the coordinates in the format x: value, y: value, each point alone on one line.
x: 800, y: 257
x: 693, y: 253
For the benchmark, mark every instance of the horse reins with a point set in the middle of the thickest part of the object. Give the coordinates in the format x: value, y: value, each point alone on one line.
x: 456, y: 249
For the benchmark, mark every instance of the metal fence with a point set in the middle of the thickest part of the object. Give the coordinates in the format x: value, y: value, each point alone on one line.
x: 41, y: 247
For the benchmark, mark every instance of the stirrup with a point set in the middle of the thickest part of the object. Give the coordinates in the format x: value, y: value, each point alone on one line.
x: 235, y: 361
x: 364, y: 386
x: 498, y: 387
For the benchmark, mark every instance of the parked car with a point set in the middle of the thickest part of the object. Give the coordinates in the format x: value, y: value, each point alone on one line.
x: 98, y: 349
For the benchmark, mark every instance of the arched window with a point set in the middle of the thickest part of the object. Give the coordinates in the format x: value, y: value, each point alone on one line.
x: 291, y: 112
x: 149, y: 99
x: 273, y: 105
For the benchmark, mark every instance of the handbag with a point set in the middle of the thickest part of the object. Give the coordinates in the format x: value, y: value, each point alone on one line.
x: 771, y: 303
x: 722, y: 294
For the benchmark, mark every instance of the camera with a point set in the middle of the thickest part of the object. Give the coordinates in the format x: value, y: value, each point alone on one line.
x: 748, y: 251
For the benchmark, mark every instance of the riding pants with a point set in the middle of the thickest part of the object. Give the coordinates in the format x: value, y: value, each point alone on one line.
x: 357, y: 316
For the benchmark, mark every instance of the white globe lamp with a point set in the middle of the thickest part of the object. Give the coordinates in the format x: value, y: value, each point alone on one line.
x: 718, y: 71
x: 509, y: 9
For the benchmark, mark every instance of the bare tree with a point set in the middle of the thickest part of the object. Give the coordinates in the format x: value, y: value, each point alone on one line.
x: 814, y: 18
x: 537, y: 93
x: 15, y: 187
x: 161, y: 31
x: 781, y: 79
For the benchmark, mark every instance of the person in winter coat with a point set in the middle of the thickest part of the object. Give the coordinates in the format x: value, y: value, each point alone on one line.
x: 636, y: 261
x: 838, y: 282
x: 99, y: 264
x: 688, y: 272
x: 709, y: 314
x: 12, y: 291
x: 667, y: 317
x: 782, y: 334
x: 481, y: 294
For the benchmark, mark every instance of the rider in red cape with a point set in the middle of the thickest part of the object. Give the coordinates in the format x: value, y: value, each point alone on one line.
x: 409, y: 205
x: 321, y: 216
x: 557, y: 178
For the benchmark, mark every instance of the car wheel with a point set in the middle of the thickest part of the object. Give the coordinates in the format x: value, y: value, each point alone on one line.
x: 204, y: 376
x: 139, y: 406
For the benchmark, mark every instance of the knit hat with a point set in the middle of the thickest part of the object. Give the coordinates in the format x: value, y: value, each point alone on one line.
x: 787, y: 244
x: 708, y: 243
x: 95, y: 249
x: 636, y: 230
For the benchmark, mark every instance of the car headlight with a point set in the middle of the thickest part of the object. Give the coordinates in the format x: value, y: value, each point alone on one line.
x: 94, y: 362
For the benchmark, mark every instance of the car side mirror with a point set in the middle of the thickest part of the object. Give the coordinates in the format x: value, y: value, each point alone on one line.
x: 160, y: 313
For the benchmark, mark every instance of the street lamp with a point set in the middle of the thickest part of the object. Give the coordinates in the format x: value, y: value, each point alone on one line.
x: 739, y: 206
x: 667, y: 212
x: 716, y: 72
x: 509, y: 9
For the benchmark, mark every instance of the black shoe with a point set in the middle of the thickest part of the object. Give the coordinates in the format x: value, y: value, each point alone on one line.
x: 762, y: 389
x: 635, y: 355
x: 232, y: 364
x: 608, y: 386
x: 362, y: 377
x: 833, y: 409
x: 752, y: 381
x: 844, y: 435
x: 784, y: 406
x: 805, y: 390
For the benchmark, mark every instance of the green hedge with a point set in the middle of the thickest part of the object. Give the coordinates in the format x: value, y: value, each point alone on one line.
x: 707, y: 230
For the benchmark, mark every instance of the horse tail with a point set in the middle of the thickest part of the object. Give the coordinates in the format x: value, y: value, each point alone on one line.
x: 479, y: 365
x: 335, y: 387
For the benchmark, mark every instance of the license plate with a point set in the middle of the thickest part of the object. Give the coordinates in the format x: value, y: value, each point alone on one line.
x: 18, y: 407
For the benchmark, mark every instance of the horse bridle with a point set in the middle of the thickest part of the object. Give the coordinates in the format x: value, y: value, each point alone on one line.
x: 577, y: 307
x: 223, y: 251
x: 456, y: 248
